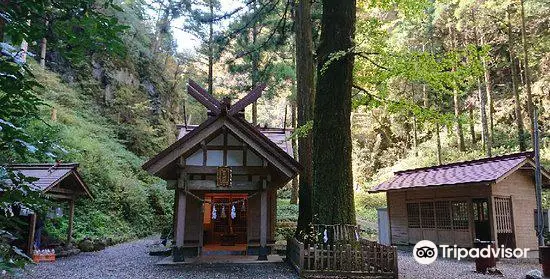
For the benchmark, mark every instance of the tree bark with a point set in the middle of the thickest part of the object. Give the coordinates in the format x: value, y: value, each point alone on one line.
x: 517, y: 102
x: 472, y: 122
x: 438, y: 136
x: 483, y: 114
x: 211, y: 50
x: 456, y: 99
x: 255, y: 78
x: 304, y: 102
x: 489, y: 91
x: 458, y: 127
x: 333, y: 201
x: 486, y: 140
x: 294, y: 190
x: 530, y: 108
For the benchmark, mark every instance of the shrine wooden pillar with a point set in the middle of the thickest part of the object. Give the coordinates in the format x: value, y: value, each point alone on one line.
x: 32, y: 229
x: 262, y: 255
x: 179, y: 234
x: 71, y: 221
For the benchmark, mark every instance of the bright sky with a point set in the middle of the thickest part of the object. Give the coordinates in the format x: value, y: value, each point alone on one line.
x: 188, y: 42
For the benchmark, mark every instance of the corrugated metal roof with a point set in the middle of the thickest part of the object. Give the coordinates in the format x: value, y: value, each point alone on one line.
x: 480, y: 171
x: 49, y: 175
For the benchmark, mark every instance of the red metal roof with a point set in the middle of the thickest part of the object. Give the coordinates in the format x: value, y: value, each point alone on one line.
x: 482, y: 171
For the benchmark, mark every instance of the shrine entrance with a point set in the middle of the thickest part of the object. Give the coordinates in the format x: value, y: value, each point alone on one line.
x: 225, y: 222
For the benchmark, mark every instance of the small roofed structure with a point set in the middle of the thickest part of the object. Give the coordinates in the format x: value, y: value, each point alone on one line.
x: 58, y: 182
x: 225, y: 173
x: 486, y: 199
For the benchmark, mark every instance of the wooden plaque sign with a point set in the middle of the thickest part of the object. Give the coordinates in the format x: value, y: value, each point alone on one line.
x: 224, y: 177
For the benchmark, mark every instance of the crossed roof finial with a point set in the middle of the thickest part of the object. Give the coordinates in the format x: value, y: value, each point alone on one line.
x: 216, y: 107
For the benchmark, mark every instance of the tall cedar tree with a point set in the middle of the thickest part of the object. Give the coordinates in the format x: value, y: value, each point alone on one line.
x: 332, y: 169
x: 304, y: 102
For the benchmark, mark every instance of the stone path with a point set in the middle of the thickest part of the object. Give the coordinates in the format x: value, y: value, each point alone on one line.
x: 130, y: 260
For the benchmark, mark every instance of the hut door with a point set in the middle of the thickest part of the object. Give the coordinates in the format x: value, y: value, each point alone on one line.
x: 504, y: 222
x: 482, y: 222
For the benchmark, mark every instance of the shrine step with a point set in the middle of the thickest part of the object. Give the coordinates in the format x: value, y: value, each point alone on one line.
x: 223, y: 253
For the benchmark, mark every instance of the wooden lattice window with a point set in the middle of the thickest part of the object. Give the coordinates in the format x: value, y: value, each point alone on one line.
x: 443, y: 215
x: 503, y: 215
x: 427, y: 217
x: 413, y: 215
x: 460, y: 214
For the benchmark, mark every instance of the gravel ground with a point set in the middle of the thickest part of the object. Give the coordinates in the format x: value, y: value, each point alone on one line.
x: 449, y: 268
x: 130, y: 260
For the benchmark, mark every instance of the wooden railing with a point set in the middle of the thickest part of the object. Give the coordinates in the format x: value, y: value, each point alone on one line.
x: 347, y: 257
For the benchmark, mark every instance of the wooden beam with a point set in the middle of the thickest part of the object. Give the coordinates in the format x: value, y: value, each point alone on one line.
x: 204, y: 93
x: 59, y: 196
x: 262, y: 256
x: 177, y: 152
x: 210, y: 185
x: 250, y: 98
x: 182, y: 204
x: 203, y: 100
x: 32, y: 229
x: 235, y: 170
x: 71, y: 221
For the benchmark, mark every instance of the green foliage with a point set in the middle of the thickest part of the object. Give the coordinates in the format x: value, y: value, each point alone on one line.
x: 286, y: 211
x: 128, y: 203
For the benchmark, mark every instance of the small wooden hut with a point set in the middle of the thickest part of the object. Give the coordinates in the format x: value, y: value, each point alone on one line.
x: 487, y: 199
x: 59, y: 182
x: 225, y: 173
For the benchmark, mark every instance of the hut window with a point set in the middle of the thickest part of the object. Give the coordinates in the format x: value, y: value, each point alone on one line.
x: 460, y: 214
x: 427, y: 215
x: 443, y: 215
x: 413, y: 215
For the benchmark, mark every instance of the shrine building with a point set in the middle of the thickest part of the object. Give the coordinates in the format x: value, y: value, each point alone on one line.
x: 225, y: 173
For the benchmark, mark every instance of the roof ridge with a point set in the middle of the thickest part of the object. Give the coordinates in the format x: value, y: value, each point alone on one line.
x: 528, y: 154
x: 42, y: 165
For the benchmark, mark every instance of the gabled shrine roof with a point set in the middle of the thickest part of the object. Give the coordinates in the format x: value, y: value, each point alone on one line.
x: 271, y: 144
x: 51, y: 175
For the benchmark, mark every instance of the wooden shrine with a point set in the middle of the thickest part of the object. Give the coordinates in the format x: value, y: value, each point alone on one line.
x: 59, y: 182
x: 225, y: 174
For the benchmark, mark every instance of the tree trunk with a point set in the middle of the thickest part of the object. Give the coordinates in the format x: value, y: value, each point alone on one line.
x: 489, y: 91
x: 211, y: 50
x: 458, y: 128
x: 438, y: 136
x: 483, y: 114
x: 304, y: 102
x: 333, y: 201
x: 519, y: 117
x: 472, y: 128
x: 255, y: 79
x: 294, y: 190
x: 456, y: 99
x: 486, y: 140
x: 415, y: 135
x: 530, y: 109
